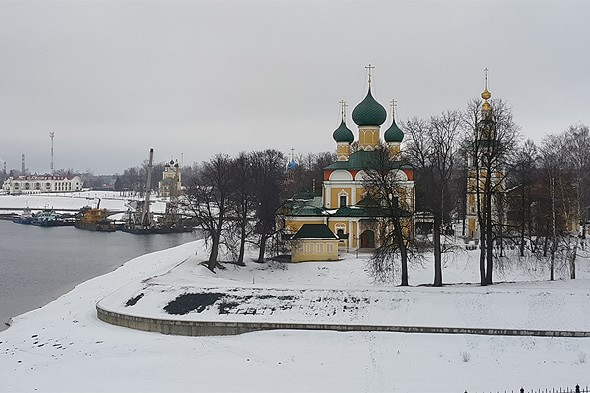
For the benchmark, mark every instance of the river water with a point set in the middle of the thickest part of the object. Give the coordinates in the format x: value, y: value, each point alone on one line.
x: 37, y: 264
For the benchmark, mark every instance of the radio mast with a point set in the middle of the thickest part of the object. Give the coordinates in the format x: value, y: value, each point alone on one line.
x: 51, y: 135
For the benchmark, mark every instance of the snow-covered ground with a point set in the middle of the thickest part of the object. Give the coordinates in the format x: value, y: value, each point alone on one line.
x: 63, y: 347
x: 111, y: 200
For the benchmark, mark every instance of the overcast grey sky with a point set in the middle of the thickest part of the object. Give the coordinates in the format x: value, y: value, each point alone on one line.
x: 113, y: 79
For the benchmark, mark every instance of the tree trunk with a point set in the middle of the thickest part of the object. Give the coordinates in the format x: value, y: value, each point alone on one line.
x: 522, y: 241
x: 240, y: 260
x: 403, y: 251
x: 553, y: 225
x: 572, y: 259
x: 482, y: 256
x: 488, y: 229
x: 545, y: 246
x: 437, y: 252
x: 214, y: 251
x: 262, y: 249
x: 552, y: 263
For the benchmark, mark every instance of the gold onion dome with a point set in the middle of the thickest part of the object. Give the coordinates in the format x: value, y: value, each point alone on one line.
x: 486, y: 106
x: 486, y: 95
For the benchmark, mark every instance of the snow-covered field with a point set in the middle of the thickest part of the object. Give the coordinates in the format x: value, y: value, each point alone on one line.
x: 63, y: 347
x: 111, y: 200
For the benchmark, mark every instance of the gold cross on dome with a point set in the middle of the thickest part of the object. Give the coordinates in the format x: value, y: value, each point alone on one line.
x: 370, y: 67
x: 485, y: 70
x: 393, y: 104
x: 343, y: 106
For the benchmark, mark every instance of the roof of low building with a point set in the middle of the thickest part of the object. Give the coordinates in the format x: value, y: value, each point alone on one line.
x: 314, y: 231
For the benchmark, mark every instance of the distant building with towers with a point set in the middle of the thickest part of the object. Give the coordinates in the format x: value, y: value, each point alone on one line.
x: 170, y: 185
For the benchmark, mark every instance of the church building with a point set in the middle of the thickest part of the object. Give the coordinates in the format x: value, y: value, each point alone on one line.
x: 170, y: 185
x: 483, y: 148
x: 343, y: 207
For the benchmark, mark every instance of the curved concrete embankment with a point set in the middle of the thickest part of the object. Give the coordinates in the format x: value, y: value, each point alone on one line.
x: 220, y: 328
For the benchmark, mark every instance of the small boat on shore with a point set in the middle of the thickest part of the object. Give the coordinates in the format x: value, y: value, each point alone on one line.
x: 25, y: 218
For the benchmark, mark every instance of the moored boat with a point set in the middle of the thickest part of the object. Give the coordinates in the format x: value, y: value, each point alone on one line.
x: 25, y: 218
x: 94, y: 219
x: 48, y: 218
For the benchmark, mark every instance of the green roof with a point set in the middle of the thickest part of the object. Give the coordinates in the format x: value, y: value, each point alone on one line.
x: 307, y: 210
x: 314, y: 231
x: 362, y: 160
x: 369, y: 112
x: 359, y: 212
x: 304, y: 195
x: 343, y: 134
x: 364, y: 209
x: 393, y: 133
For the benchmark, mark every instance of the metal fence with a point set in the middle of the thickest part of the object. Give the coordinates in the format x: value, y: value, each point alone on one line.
x: 576, y: 389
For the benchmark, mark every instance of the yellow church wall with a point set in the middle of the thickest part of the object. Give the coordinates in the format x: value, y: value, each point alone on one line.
x: 402, y: 198
x: 349, y: 227
x: 335, y: 197
x: 394, y: 150
x: 407, y: 228
x: 368, y: 137
x: 360, y: 194
x: 471, y: 208
x: 343, y: 150
x: 314, y: 250
x: 471, y: 227
x: 334, y: 225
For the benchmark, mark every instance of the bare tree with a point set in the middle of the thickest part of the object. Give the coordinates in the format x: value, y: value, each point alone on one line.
x: 577, y: 143
x: 308, y: 174
x: 268, y: 176
x: 242, y: 202
x: 434, y: 150
x: 521, y: 184
x: 493, y: 137
x: 553, y: 167
x: 208, y: 199
x: 382, y: 185
x: 566, y: 165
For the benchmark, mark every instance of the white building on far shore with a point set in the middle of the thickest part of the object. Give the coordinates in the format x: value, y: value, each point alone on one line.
x: 35, y: 184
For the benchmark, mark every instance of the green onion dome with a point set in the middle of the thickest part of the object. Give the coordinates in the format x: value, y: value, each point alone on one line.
x: 343, y: 134
x: 393, y: 133
x: 369, y: 112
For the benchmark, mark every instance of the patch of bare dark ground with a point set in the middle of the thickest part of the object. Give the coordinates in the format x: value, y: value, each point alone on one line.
x: 133, y: 300
x: 232, y: 303
x: 227, y: 303
x: 188, y: 302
